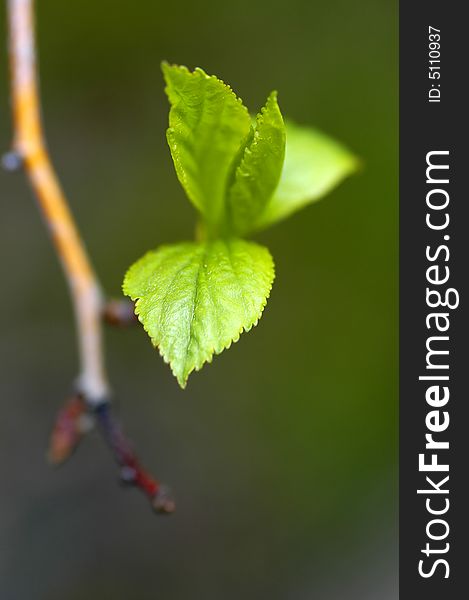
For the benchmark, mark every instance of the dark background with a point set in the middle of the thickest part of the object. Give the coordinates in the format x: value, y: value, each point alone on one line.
x: 282, y: 453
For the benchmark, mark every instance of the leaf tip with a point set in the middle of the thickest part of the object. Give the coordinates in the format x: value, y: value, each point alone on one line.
x: 166, y: 69
x: 273, y: 96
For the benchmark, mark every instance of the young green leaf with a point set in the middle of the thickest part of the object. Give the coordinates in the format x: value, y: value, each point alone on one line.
x: 258, y: 172
x: 207, y: 124
x: 314, y: 164
x: 194, y: 299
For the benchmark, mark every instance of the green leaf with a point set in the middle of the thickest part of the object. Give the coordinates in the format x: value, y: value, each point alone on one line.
x: 314, y: 164
x: 207, y: 124
x: 258, y: 172
x: 194, y: 299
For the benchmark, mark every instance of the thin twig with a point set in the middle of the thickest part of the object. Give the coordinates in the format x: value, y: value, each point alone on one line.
x: 91, y: 402
x: 131, y: 471
x: 29, y: 145
x: 76, y: 418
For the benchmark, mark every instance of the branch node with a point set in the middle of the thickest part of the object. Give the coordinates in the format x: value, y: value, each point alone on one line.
x: 76, y: 418
x: 163, y: 502
x: 119, y: 313
x: 12, y: 161
x: 127, y: 475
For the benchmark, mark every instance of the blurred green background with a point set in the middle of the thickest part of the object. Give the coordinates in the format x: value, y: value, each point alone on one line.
x: 282, y: 453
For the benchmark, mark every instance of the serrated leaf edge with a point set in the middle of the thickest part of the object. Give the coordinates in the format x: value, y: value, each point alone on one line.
x: 200, y: 71
x: 212, y: 352
x: 170, y: 131
x: 250, y: 144
x: 255, y: 138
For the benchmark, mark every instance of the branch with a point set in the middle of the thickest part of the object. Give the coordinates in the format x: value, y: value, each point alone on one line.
x: 29, y: 146
x: 131, y: 471
x: 76, y: 418
x: 29, y: 150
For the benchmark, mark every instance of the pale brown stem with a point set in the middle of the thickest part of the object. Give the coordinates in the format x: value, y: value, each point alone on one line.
x: 29, y: 144
x: 91, y: 401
